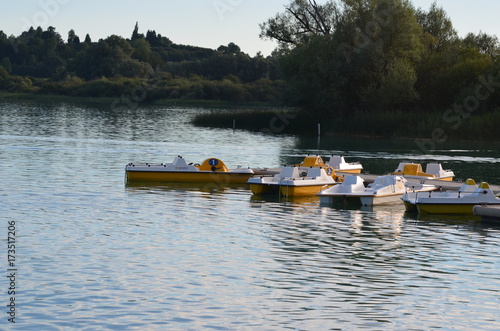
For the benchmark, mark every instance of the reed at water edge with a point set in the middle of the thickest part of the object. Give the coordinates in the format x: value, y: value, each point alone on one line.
x: 389, y: 124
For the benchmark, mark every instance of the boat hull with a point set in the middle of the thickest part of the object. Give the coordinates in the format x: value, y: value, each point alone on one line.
x: 192, y: 177
x: 263, y: 189
x: 339, y: 200
x: 410, y: 206
x: 445, y: 208
x: 375, y: 200
x: 302, y: 190
x: 364, y: 200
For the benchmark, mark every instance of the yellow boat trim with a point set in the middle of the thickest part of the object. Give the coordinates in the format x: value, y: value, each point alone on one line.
x: 312, y: 161
x: 213, y: 164
x: 445, y: 179
x: 445, y: 208
x: 296, y: 191
x: 350, y: 171
x: 413, y: 169
x: 195, y: 177
x: 470, y: 181
x: 484, y: 186
x: 259, y: 189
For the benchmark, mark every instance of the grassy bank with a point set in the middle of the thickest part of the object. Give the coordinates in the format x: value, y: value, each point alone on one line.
x: 396, y: 124
x: 269, y: 120
x: 53, y: 98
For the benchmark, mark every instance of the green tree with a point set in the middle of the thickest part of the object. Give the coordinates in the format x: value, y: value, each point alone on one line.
x: 483, y: 43
x: 437, y: 25
x: 135, y: 34
x: 3, y: 73
x: 301, y: 21
x: 73, y: 38
x: 450, y: 65
x: 5, y: 63
x: 384, y: 40
x: 230, y: 49
x: 141, y: 50
x: 315, y: 80
x: 371, y: 48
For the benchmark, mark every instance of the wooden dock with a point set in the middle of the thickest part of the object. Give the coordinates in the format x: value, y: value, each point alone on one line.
x: 370, y: 178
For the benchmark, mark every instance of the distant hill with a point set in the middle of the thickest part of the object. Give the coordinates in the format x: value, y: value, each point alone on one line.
x: 41, y: 61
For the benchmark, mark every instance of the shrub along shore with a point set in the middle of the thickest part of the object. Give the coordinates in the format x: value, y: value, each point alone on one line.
x: 434, y: 126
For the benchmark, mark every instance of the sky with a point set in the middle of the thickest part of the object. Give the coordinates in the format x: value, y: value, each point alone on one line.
x: 204, y: 23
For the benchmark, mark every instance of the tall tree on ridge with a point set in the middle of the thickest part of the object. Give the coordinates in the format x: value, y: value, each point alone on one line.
x: 135, y: 34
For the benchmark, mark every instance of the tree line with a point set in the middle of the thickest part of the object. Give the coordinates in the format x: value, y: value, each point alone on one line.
x: 345, y: 58
x: 40, y: 61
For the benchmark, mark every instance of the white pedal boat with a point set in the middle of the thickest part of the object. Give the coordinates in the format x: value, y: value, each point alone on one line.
x: 294, y: 181
x: 432, y: 171
x: 346, y: 192
x: 339, y: 163
x: 410, y: 197
x: 306, y: 183
x: 386, y: 189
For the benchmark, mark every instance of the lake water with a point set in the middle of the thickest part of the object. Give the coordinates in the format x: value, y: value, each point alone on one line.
x: 92, y: 253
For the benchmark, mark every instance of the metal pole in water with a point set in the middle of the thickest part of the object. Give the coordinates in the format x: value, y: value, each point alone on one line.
x: 319, y: 135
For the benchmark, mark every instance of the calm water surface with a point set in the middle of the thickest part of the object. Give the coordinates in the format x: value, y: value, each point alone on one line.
x: 93, y: 253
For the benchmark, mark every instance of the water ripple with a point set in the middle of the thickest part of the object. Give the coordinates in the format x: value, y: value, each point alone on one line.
x: 96, y: 254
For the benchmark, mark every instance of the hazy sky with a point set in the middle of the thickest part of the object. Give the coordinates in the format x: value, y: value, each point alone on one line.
x: 206, y: 23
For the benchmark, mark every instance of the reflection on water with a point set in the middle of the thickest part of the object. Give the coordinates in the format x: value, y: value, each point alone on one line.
x: 478, y: 160
x: 181, y: 187
x: 98, y: 253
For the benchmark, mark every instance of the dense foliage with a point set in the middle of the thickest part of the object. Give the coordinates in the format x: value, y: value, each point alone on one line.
x: 344, y: 58
x: 150, y: 65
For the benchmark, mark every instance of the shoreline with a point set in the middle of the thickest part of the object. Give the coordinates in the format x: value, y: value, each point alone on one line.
x: 272, y: 118
x: 19, y: 96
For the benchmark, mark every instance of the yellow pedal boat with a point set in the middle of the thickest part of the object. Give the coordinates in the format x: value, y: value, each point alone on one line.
x: 337, y: 162
x: 432, y: 171
x: 304, y: 179
x: 411, y: 196
x: 212, y: 170
x: 456, y: 202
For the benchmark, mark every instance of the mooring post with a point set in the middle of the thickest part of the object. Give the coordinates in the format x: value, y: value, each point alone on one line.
x: 319, y: 135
